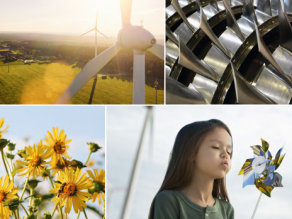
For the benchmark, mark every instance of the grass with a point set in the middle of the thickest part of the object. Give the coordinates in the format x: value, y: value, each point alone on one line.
x: 44, y: 83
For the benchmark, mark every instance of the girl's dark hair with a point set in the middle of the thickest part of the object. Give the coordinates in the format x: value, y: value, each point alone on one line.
x: 180, y: 167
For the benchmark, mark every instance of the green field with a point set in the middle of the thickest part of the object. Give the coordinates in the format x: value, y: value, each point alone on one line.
x: 44, y: 83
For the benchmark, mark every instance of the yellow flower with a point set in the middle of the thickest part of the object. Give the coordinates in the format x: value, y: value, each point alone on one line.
x: 58, y: 144
x: 99, y: 185
x: 35, y: 160
x: 1, y: 124
x: 6, y: 192
x: 70, y: 190
x: 58, y: 166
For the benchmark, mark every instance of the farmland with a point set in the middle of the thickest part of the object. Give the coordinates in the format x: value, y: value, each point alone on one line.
x: 44, y: 83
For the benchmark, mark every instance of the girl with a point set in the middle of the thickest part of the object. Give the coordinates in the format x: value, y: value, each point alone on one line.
x: 194, y: 184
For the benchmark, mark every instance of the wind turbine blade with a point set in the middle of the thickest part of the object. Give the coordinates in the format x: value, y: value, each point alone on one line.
x: 284, y: 27
x: 101, y: 33
x: 88, y: 71
x: 139, y: 78
x: 126, y: 8
x: 88, y: 32
x: 158, y: 50
x: 96, y: 21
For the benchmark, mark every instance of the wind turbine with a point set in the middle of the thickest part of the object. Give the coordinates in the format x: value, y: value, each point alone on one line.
x: 132, y: 37
x: 95, y: 77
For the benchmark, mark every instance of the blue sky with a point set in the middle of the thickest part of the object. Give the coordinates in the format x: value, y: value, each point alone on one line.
x: 247, y: 124
x: 75, y: 16
x: 81, y: 124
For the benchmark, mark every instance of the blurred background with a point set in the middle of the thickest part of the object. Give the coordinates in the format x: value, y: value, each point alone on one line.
x: 247, y: 123
x: 29, y: 124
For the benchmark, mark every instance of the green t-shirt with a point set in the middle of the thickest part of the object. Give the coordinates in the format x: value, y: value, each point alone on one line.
x: 170, y: 204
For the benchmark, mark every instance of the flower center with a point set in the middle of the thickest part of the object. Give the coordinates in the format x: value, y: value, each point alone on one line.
x: 59, y: 147
x: 70, y: 189
x: 99, y: 186
x: 35, y: 161
x: 2, y: 196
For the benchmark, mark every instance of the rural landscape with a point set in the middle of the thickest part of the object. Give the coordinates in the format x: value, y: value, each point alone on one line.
x: 37, y: 68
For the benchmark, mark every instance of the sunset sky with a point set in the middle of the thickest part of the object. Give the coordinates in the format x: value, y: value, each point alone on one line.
x: 77, y: 17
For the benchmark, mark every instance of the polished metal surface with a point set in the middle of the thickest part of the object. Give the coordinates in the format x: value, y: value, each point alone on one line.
x: 188, y: 59
x: 216, y: 60
x: 273, y: 87
x: 171, y: 35
x: 209, y: 11
x: 170, y: 10
x: 177, y: 93
x: 177, y: 7
x: 231, y: 21
x: 172, y: 50
x: 262, y: 17
x: 285, y: 28
x: 184, y: 33
x: 246, y: 26
x: 248, y: 11
x: 268, y: 86
x: 230, y: 41
x: 264, y: 50
x: 245, y: 92
x: 283, y: 57
x: 264, y: 6
x: 208, y: 31
x: 194, y: 19
x: 214, y: 4
x: 205, y: 86
x: 167, y: 70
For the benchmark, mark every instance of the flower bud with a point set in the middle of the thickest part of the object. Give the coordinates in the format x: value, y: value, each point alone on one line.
x: 93, y: 147
x: 21, y: 152
x: 78, y: 164
x: 10, y: 156
x: 32, y: 216
x: 47, y: 216
x: 11, y: 146
x: 37, y: 201
x: 12, y: 204
x: 3, y: 143
x: 33, y: 183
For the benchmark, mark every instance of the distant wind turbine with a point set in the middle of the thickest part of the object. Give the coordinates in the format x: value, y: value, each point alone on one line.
x: 96, y: 30
x: 95, y: 77
x: 132, y: 37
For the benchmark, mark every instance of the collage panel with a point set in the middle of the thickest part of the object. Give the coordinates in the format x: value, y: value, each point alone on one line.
x: 151, y: 152
x: 228, y: 52
x: 50, y: 157
x: 82, y: 52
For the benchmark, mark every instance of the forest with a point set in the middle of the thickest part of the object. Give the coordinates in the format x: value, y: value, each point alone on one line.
x: 122, y: 62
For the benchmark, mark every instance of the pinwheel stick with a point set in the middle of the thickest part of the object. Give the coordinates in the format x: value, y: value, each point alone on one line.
x: 256, y: 206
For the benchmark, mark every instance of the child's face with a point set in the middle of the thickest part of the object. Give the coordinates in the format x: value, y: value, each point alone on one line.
x: 213, y: 157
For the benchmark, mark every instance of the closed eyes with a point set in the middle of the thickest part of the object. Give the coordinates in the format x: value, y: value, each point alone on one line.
x: 228, y: 152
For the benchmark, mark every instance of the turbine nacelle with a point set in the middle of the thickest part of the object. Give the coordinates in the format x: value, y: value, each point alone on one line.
x: 134, y: 37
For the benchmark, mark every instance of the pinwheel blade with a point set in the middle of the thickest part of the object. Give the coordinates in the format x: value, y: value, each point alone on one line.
x: 158, y: 50
x: 88, y: 71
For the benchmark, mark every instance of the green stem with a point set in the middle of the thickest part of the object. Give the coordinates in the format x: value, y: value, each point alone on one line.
x: 23, y: 189
x: 88, y: 158
x: 18, y: 212
x: 24, y: 209
x: 30, y: 199
x: 2, y: 154
x: 10, y: 174
x: 78, y: 214
x: 14, y: 215
x: 50, y: 177
x: 54, y: 210
x: 61, y: 212
x: 84, y: 213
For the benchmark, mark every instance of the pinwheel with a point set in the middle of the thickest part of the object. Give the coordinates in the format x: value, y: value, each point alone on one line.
x: 260, y: 170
